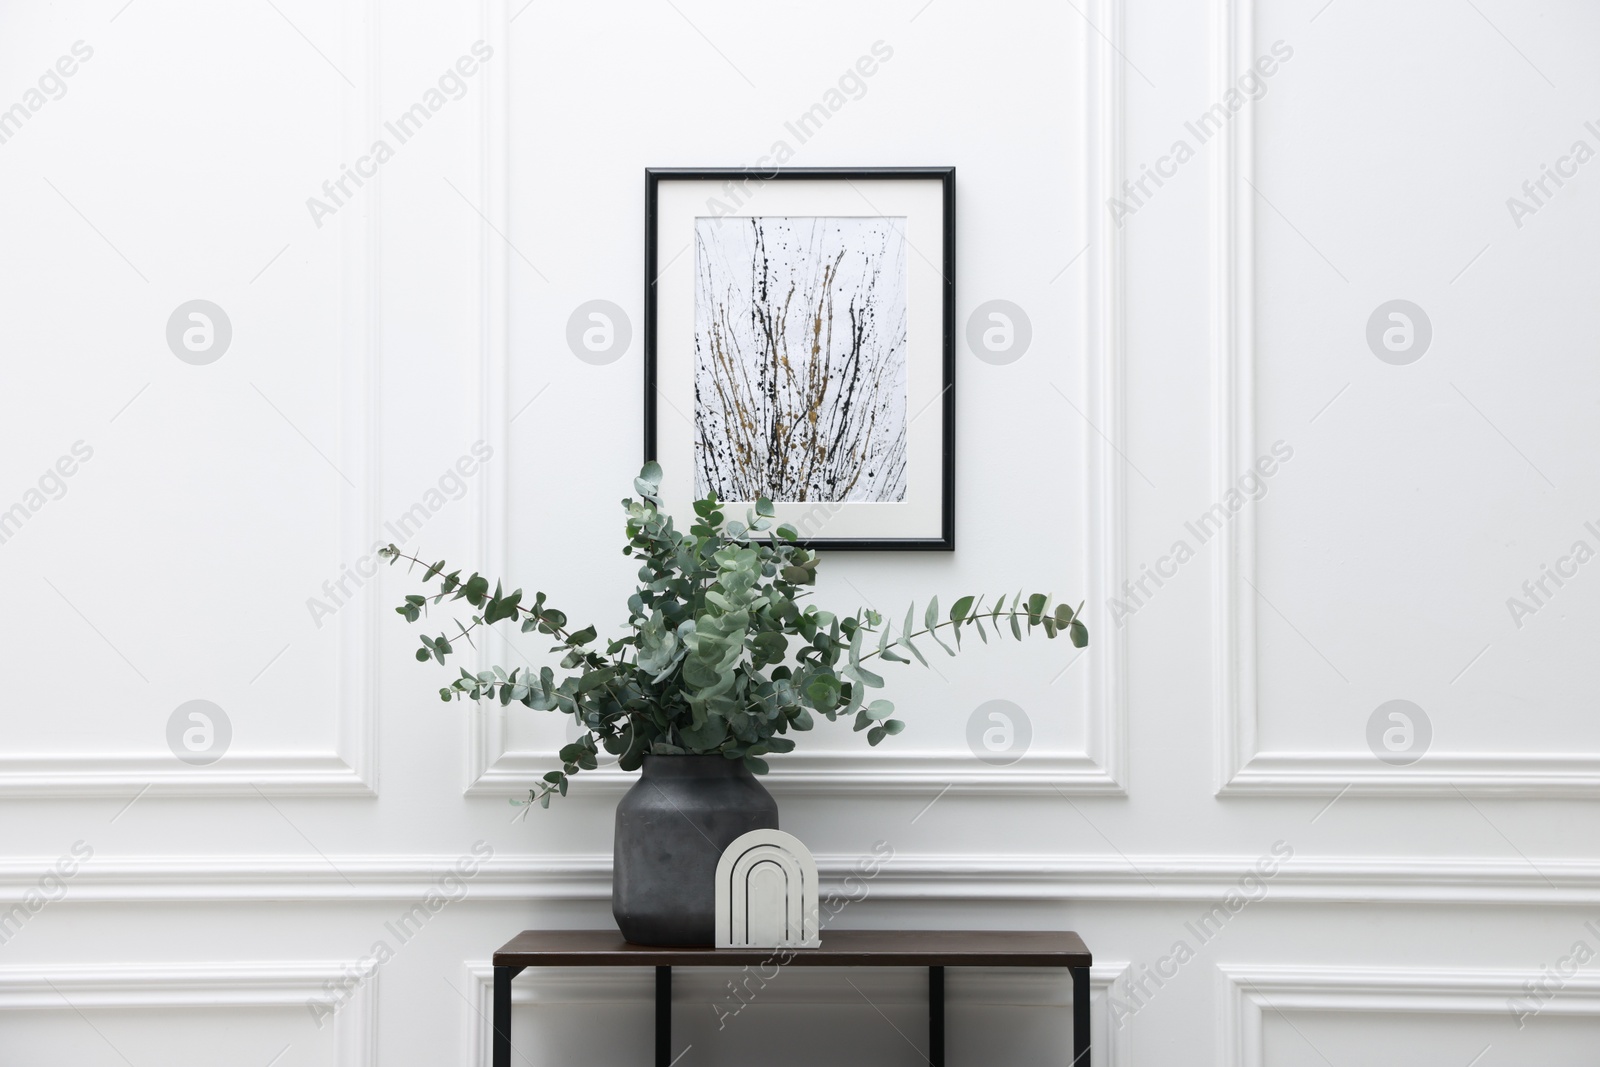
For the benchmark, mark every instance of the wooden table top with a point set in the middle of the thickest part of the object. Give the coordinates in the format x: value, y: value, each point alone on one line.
x: 840, y: 948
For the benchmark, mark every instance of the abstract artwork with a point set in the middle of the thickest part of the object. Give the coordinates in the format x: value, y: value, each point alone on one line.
x: 800, y: 358
x: 799, y: 346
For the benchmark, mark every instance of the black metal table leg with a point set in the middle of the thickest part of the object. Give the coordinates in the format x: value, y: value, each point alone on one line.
x: 1080, y: 1017
x: 663, y: 1017
x: 936, y: 1016
x: 502, y: 1015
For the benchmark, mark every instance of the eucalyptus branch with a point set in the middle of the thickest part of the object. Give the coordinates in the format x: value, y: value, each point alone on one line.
x: 1077, y: 632
x: 724, y: 660
x: 394, y: 554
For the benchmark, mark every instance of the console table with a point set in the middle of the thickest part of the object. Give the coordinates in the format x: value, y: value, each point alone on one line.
x: 933, y: 949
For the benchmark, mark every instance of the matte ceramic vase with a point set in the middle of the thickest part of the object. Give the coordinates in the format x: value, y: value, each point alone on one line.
x: 672, y: 828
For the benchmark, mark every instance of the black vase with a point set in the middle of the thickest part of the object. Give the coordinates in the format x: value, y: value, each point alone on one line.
x: 672, y: 828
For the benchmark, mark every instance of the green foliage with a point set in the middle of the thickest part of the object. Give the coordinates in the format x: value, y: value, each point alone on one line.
x: 719, y: 656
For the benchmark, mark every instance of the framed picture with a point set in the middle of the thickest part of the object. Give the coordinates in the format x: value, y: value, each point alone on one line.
x: 800, y: 345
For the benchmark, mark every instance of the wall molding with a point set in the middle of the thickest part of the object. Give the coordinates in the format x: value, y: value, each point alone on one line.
x: 202, y: 986
x: 1232, y: 240
x: 360, y: 443
x: 828, y: 773
x: 1242, y: 767
x: 1250, y: 990
x: 344, y: 772
x: 1524, y: 776
x: 495, y: 769
x: 974, y: 986
x: 1105, y: 362
x: 954, y: 879
x: 347, y: 770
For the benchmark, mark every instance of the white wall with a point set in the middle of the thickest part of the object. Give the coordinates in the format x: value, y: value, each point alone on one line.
x: 1217, y: 724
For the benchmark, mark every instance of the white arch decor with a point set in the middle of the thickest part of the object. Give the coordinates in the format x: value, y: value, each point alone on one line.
x: 767, y: 893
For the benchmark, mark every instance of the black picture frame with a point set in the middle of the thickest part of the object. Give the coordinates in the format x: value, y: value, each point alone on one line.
x: 946, y: 176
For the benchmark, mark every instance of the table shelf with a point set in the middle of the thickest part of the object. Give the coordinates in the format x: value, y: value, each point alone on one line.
x: 933, y: 949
